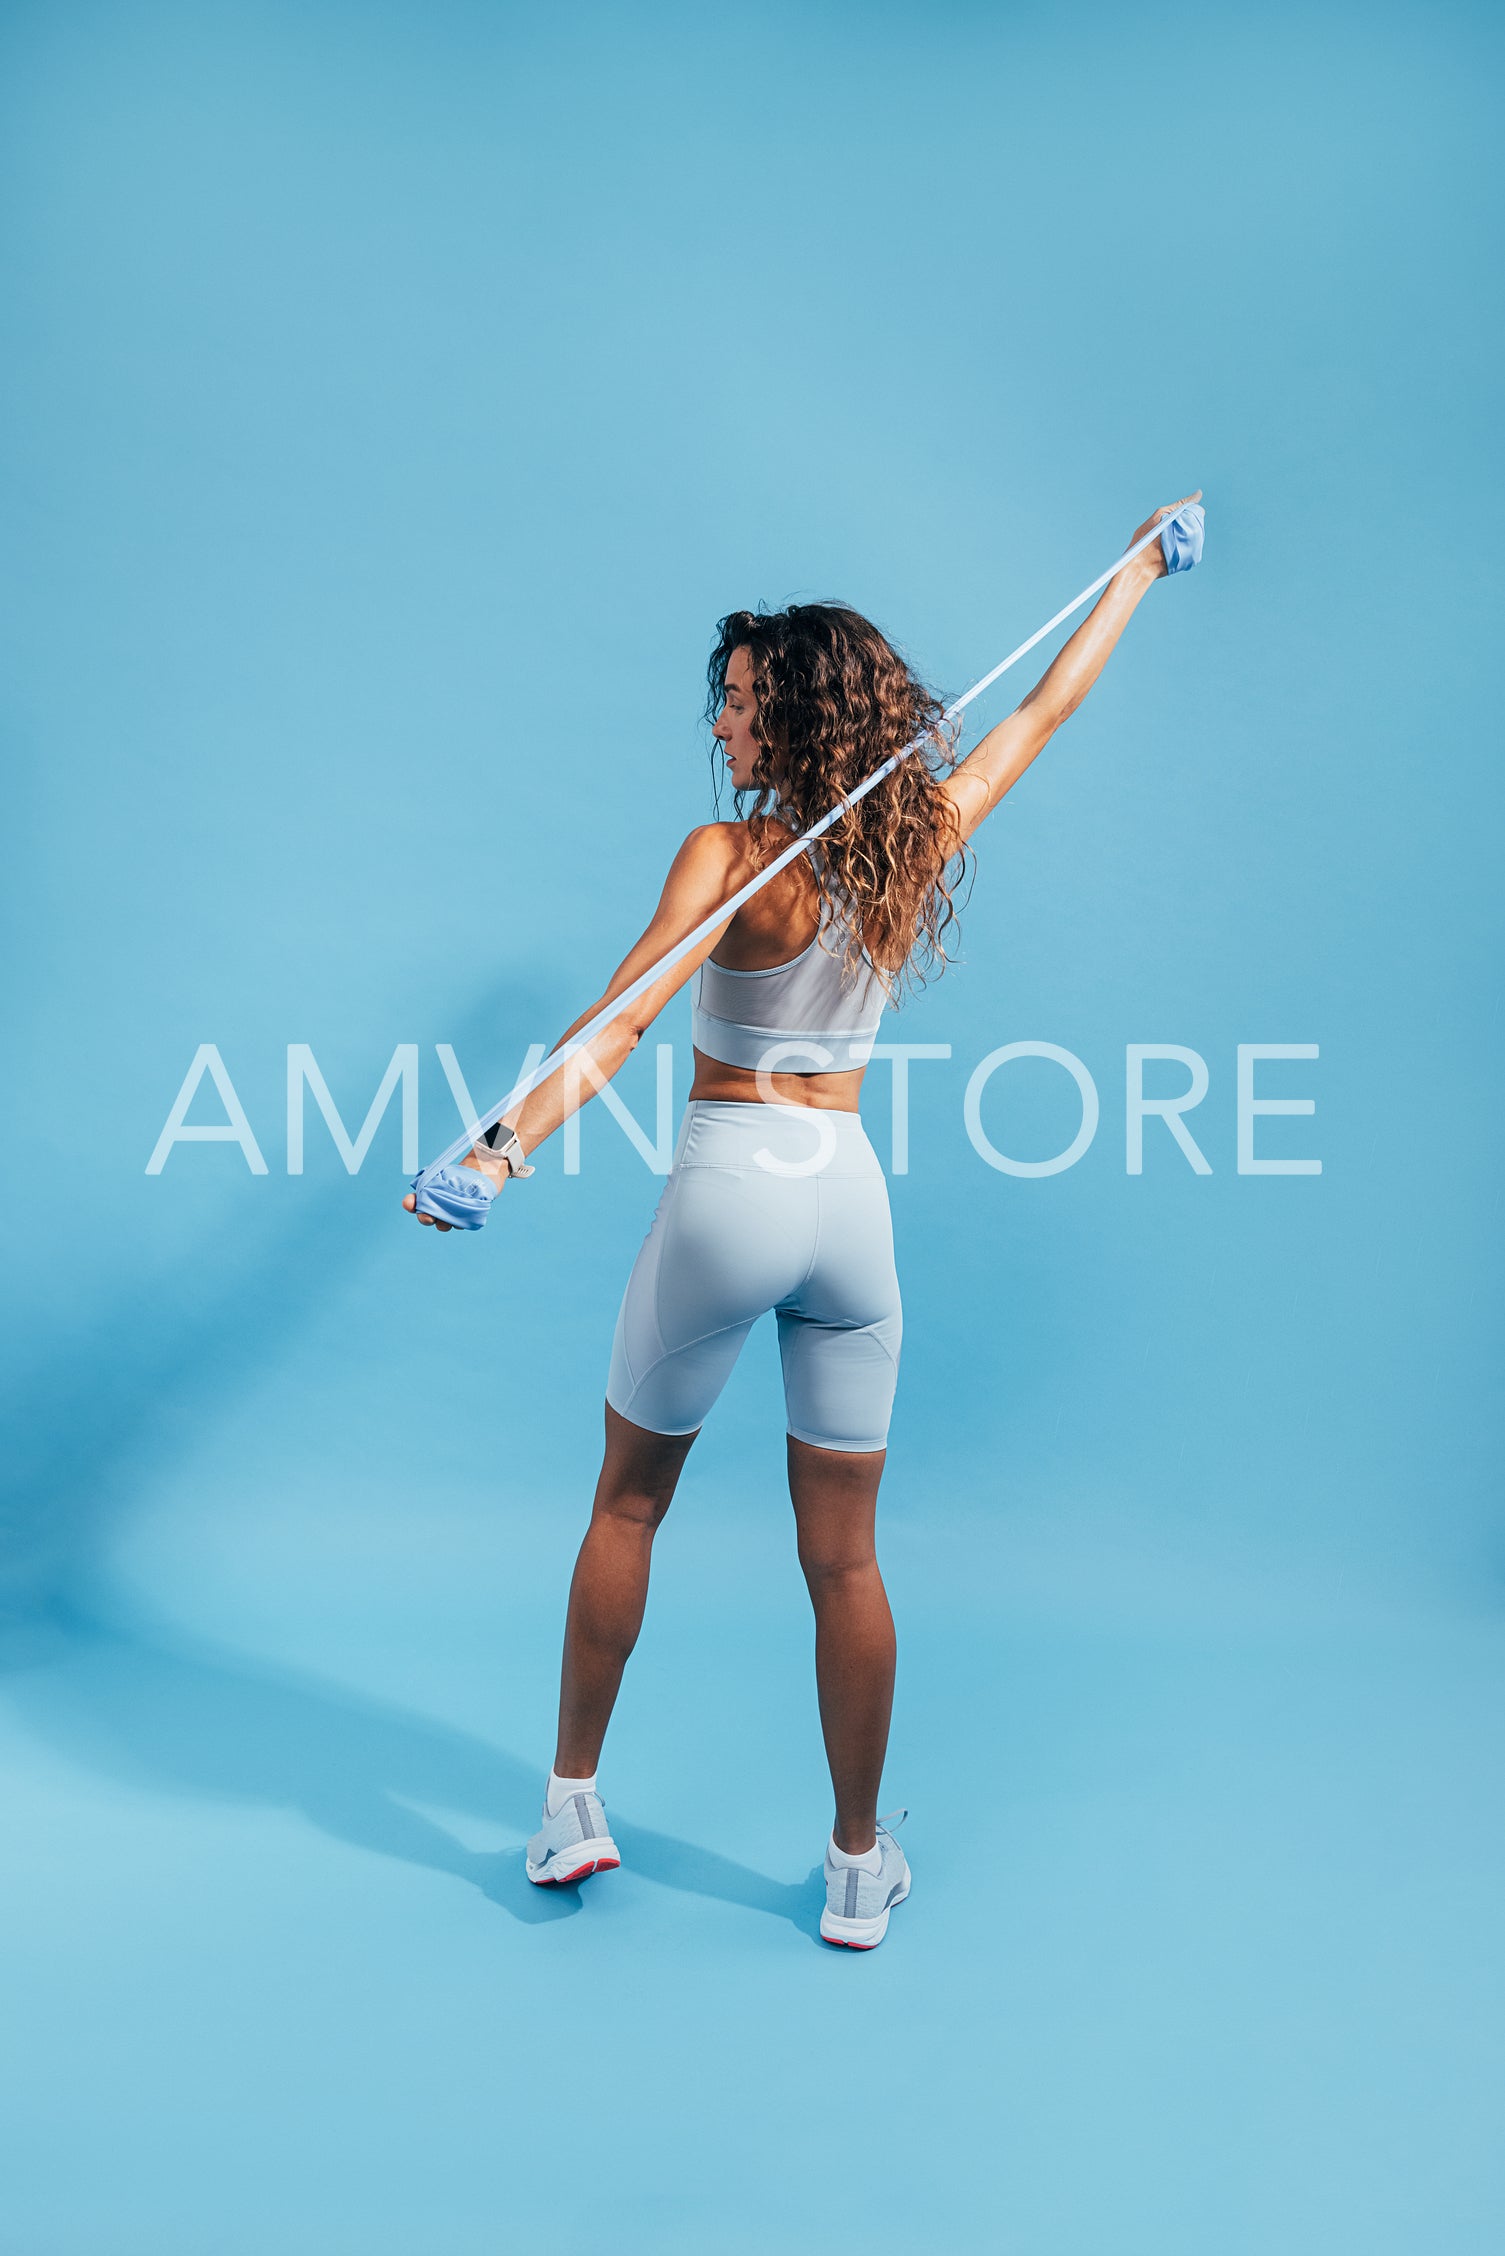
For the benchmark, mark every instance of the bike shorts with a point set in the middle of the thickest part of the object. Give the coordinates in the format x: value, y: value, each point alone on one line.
x: 766, y: 1206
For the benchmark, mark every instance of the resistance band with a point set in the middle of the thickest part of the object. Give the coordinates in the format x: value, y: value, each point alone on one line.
x: 463, y: 1195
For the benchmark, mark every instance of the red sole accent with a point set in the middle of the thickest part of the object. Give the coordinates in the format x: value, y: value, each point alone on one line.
x: 568, y: 1879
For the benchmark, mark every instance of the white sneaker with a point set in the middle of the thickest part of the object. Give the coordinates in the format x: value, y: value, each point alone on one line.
x: 572, y: 1844
x: 858, y: 1903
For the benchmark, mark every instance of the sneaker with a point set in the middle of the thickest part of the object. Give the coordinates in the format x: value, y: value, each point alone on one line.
x: 572, y: 1845
x: 858, y: 1903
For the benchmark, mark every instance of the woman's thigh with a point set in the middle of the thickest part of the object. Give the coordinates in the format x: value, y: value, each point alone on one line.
x: 840, y: 1332
x: 725, y: 1245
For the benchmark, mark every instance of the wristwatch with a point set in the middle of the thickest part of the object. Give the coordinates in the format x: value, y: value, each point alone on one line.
x: 503, y: 1141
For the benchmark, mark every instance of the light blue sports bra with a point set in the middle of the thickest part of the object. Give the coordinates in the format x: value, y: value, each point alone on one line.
x: 794, y: 1017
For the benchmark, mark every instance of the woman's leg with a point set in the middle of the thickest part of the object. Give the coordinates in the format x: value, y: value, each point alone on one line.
x: 835, y: 1497
x: 610, y: 1587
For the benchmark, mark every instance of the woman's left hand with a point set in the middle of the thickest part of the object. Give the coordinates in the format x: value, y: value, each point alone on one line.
x: 1151, y: 558
x: 495, y: 1170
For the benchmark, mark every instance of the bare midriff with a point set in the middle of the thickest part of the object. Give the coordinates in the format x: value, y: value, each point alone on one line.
x: 738, y: 1084
x: 770, y: 930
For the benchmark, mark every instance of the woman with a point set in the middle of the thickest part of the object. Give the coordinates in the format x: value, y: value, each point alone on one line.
x: 776, y: 1199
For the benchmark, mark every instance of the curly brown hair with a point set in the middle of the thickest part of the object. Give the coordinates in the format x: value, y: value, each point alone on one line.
x: 835, y: 700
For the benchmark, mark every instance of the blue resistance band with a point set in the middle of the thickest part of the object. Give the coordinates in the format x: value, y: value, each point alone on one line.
x: 462, y: 1196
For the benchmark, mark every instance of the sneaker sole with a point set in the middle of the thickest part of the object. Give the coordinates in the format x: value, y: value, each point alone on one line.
x: 591, y: 1856
x: 858, y: 1934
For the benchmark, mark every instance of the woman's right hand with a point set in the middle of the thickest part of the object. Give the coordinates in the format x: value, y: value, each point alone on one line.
x: 410, y: 1205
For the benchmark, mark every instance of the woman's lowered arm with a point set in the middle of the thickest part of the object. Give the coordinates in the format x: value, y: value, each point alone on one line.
x: 704, y: 873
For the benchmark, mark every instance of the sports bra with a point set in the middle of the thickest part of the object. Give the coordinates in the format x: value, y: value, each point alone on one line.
x: 795, y: 1014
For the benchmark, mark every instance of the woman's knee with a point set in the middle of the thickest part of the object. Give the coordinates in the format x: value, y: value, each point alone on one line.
x: 630, y: 1507
x: 640, y: 1471
x: 829, y: 1572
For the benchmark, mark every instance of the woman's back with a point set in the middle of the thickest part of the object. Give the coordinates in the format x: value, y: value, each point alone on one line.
x: 802, y: 996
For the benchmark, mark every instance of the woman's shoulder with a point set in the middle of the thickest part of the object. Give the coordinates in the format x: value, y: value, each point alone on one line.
x: 735, y: 843
x: 739, y: 832
x: 728, y: 856
x: 715, y: 857
x: 726, y: 843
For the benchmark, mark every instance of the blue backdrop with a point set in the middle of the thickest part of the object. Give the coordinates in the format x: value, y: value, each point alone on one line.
x: 394, y: 400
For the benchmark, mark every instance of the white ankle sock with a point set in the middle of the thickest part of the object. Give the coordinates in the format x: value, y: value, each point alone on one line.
x: 871, y: 1860
x: 559, y: 1790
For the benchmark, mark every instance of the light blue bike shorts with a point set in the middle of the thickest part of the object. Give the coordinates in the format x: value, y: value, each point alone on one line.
x: 803, y: 1229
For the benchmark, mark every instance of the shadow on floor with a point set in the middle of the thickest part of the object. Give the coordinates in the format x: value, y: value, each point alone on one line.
x: 143, y: 1704
x: 90, y: 1423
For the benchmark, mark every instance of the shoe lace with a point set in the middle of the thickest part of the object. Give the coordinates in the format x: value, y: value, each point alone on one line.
x: 894, y: 1817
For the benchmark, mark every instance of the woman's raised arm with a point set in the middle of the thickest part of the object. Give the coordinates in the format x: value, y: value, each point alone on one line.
x: 1000, y: 758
